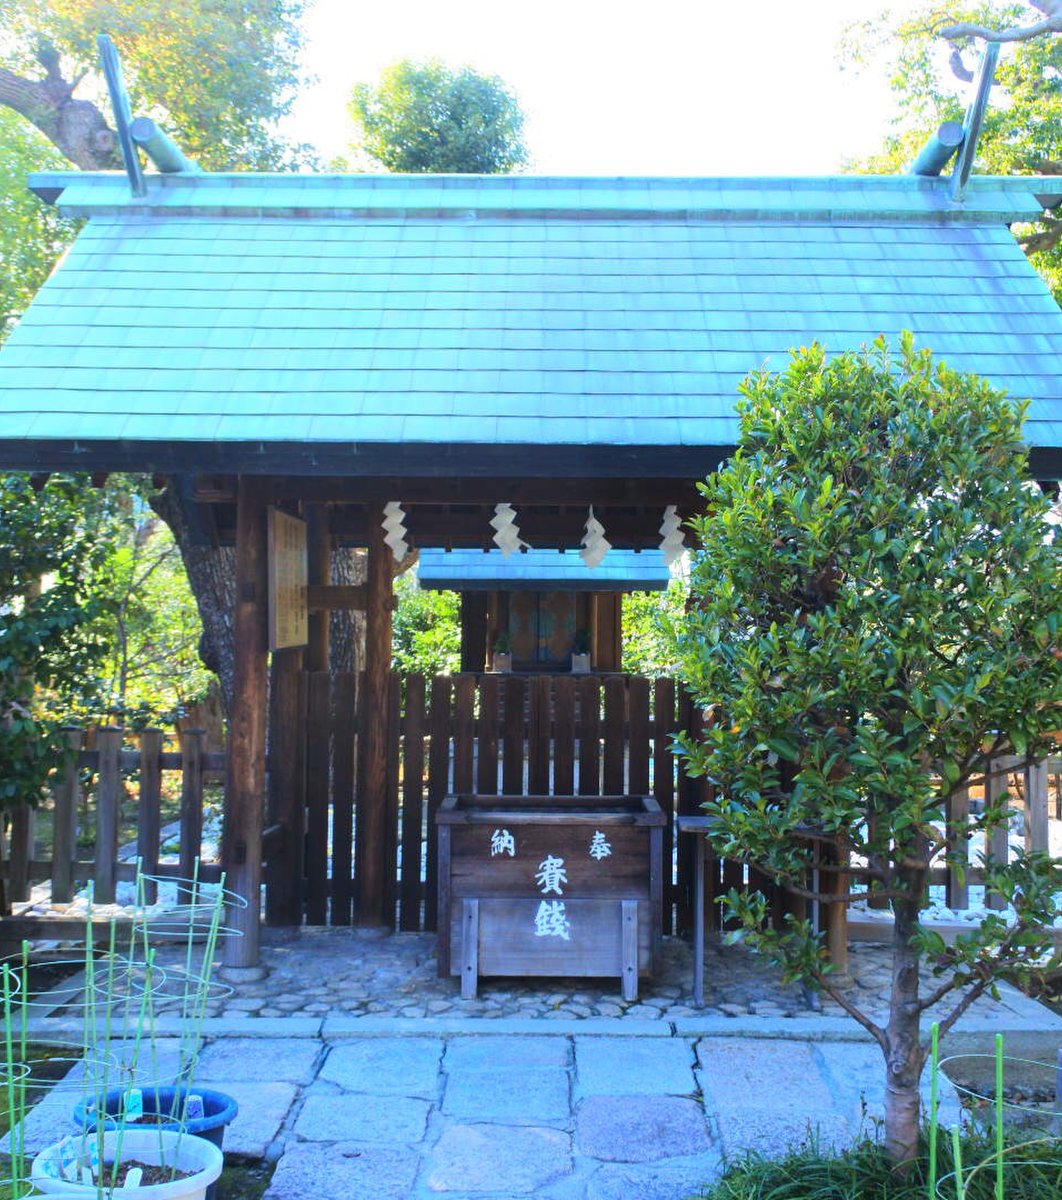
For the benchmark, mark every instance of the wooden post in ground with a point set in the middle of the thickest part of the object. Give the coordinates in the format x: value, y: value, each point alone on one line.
x: 999, y: 839
x: 23, y: 833
x: 148, y: 815
x: 372, y: 887
x: 1037, y: 837
x: 244, y: 796
x: 193, y: 744
x: 108, y: 799
x: 64, y: 823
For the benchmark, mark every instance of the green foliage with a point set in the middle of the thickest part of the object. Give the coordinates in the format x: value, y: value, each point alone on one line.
x: 427, y: 629
x: 1022, y: 132
x: 1034, y: 1171
x: 151, y: 670
x: 875, y: 609
x: 647, y: 620
x: 32, y: 235
x: 427, y: 117
x: 48, y: 651
x: 96, y: 620
x: 217, y: 74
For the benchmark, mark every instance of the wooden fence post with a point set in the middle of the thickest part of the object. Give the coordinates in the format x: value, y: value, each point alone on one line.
x: 108, y: 793
x: 149, y: 802
x: 23, y: 831
x: 193, y: 743
x: 998, y: 844
x: 64, y: 820
x: 957, y: 889
x: 1037, y: 837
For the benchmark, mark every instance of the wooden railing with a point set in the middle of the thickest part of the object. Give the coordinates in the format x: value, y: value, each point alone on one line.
x: 116, y: 774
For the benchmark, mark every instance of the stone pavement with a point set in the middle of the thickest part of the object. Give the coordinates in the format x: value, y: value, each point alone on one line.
x: 337, y: 973
x: 636, y: 1115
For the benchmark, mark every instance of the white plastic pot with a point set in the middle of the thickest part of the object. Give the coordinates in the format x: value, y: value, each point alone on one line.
x: 184, y: 1151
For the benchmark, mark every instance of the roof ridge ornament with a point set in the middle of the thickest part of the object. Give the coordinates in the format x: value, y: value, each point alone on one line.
x: 139, y: 132
x: 123, y: 119
x: 972, y: 123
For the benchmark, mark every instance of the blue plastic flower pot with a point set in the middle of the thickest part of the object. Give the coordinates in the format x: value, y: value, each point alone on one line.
x: 167, y: 1103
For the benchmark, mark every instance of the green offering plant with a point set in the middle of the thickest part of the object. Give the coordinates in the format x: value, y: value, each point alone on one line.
x: 874, y: 615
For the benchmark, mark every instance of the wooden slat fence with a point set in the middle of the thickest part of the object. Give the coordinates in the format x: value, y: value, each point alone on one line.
x: 119, y: 771
x: 492, y: 734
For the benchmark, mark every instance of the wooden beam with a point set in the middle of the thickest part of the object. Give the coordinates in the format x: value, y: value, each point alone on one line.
x: 372, y: 887
x: 337, y: 489
x: 334, y: 596
x: 287, y: 789
x: 245, y: 794
x: 625, y: 528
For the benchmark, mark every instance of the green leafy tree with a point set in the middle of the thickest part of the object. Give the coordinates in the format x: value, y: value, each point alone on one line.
x: 935, y: 51
x: 151, y: 671
x: 647, y: 616
x: 426, y: 633
x: 49, y: 652
x: 32, y: 236
x: 427, y: 117
x: 875, y: 612
x: 218, y: 74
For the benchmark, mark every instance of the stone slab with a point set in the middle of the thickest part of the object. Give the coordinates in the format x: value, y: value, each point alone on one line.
x: 856, y: 1076
x: 509, y: 1096
x: 350, y: 1118
x: 640, y: 1128
x: 386, y: 1066
x: 487, y: 1026
x: 262, y: 1109
x: 633, y: 1067
x: 772, y: 1132
x: 665, y: 1180
x: 343, y: 1172
x: 755, y: 1073
x: 258, y: 1060
x: 515, y: 1053
x: 485, y: 1159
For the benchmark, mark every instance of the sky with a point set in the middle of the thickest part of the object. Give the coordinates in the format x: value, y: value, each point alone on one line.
x: 609, y: 87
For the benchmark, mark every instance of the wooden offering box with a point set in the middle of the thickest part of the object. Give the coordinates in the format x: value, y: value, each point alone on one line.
x: 550, y: 885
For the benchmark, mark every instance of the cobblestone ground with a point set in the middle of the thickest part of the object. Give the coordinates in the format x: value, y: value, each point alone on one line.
x: 324, y: 972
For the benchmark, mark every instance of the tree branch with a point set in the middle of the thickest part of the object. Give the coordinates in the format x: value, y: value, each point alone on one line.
x: 1044, y: 239
x: 973, y: 994
x: 76, y: 127
x: 1052, y: 23
x: 875, y: 1031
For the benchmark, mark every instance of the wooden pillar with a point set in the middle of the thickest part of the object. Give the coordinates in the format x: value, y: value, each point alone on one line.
x: 244, y: 796
x: 474, y: 631
x: 287, y: 788
x: 319, y: 571
x: 373, y: 888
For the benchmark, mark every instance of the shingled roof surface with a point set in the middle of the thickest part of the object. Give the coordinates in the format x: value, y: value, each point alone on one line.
x: 539, y: 570
x: 338, y: 316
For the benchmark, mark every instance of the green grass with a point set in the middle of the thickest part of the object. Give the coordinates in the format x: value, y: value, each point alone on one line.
x: 1033, y: 1172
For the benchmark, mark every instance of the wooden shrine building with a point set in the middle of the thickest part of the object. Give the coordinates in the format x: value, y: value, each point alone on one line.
x: 539, y: 601
x: 322, y: 346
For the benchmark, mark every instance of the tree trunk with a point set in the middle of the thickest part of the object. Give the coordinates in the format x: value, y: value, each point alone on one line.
x: 905, y: 1057
x: 211, y: 573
